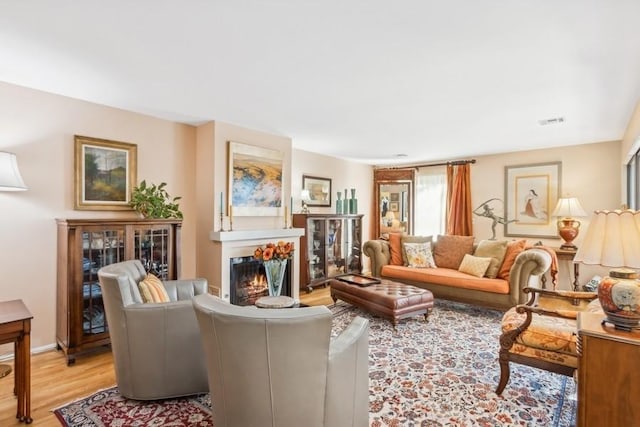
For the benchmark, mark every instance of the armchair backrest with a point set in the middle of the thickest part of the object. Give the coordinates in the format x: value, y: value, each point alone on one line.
x: 124, y: 277
x: 269, y: 366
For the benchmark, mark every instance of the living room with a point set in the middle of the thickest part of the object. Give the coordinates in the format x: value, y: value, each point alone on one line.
x: 39, y: 127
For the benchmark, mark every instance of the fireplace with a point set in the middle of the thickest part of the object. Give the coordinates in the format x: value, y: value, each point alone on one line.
x: 248, y: 281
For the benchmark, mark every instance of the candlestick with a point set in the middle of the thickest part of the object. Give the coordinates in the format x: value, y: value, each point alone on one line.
x: 286, y: 216
x: 230, y: 218
x: 221, y: 220
x: 221, y: 205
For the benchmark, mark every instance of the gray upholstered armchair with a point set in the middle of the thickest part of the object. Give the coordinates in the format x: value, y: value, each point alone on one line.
x: 156, y: 346
x: 280, y: 367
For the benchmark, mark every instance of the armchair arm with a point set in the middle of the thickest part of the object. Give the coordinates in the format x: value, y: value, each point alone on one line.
x: 347, y: 394
x: 379, y: 253
x: 185, y: 289
x: 527, y: 269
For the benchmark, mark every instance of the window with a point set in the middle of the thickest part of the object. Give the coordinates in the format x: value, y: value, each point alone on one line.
x: 431, y: 201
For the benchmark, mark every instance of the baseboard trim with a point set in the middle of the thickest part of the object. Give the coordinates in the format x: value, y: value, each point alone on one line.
x: 36, y: 350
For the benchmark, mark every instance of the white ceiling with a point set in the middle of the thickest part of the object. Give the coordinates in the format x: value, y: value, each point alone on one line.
x: 357, y: 79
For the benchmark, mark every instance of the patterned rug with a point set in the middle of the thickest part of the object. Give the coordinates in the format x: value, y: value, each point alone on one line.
x: 440, y: 373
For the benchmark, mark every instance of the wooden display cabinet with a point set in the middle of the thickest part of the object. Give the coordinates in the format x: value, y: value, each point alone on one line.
x: 86, y: 245
x: 331, y: 245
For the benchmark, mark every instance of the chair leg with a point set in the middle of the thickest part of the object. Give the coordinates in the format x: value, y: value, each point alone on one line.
x: 504, y: 372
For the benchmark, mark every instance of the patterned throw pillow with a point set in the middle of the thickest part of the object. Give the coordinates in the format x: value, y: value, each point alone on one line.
x: 152, y: 290
x: 419, y: 255
x: 494, y: 249
x: 449, y: 250
x: 474, y: 265
x: 412, y: 239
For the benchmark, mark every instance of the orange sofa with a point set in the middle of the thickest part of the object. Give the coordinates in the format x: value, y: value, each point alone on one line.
x: 448, y: 283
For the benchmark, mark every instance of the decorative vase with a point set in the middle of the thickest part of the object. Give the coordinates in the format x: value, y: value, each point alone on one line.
x: 274, y: 270
x: 353, y: 202
x: 339, y: 204
x: 619, y: 296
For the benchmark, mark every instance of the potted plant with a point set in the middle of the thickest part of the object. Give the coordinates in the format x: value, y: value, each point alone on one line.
x: 153, y: 201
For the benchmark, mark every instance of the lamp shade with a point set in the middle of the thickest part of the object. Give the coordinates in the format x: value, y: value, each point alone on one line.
x: 569, y: 207
x: 305, y: 195
x: 612, y: 240
x: 10, y: 179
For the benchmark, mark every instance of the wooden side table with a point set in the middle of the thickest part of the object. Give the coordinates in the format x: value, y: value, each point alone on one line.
x: 608, y: 379
x: 569, y: 255
x: 15, y: 327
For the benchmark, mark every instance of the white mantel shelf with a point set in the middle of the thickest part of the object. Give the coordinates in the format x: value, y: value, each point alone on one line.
x: 240, y: 235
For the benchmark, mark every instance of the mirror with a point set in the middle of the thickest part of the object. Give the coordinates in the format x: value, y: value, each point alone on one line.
x: 394, y: 200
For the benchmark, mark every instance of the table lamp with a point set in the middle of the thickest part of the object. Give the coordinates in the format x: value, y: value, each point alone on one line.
x: 10, y: 180
x: 613, y: 240
x: 305, y: 195
x: 568, y: 227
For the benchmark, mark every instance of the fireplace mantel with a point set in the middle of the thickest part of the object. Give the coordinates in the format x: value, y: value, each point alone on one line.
x: 230, y: 244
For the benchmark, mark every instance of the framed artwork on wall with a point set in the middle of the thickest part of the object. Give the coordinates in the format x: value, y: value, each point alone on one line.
x: 254, y: 181
x: 531, y: 193
x: 105, y: 173
x: 319, y: 190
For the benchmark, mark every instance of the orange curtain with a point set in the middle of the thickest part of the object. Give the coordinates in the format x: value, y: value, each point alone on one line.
x: 459, y: 212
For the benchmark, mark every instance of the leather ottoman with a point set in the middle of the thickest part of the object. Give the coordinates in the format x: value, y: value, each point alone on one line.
x: 388, y: 299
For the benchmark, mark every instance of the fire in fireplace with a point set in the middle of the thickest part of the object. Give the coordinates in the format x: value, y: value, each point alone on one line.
x: 248, y: 280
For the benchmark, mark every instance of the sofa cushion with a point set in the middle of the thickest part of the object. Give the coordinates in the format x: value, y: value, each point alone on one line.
x: 419, y: 255
x: 513, y: 250
x: 444, y: 276
x: 152, y: 290
x: 495, y: 250
x: 395, y: 248
x: 474, y: 265
x: 449, y: 250
x: 412, y: 239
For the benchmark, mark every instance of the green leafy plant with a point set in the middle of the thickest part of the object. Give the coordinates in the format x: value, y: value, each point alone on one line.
x: 153, y: 201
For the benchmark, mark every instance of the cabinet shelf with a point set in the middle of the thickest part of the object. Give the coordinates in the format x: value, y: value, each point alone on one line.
x: 86, y: 245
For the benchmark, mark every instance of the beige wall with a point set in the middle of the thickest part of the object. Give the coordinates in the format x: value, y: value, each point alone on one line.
x: 590, y: 172
x: 39, y: 128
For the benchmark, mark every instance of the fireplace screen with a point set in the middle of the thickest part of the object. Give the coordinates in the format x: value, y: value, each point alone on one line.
x: 248, y: 280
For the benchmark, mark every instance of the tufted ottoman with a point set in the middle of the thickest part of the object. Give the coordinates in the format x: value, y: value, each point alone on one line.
x: 388, y: 299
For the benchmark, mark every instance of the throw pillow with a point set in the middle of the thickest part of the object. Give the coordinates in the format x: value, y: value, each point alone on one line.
x: 395, y: 247
x: 419, y: 255
x: 152, y: 289
x: 513, y: 250
x: 494, y: 249
x: 474, y: 265
x: 412, y: 239
x: 449, y: 250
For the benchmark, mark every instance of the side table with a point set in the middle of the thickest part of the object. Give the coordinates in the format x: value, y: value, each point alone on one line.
x: 569, y: 255
x: 608, y: 385
x: 15, y: 327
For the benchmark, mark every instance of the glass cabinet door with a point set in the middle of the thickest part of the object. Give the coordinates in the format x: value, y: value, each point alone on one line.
x: 99, y: 248
x: 316, y: 249
x: 336, y: 245
x: 353, y: 245
x: 152, y: 247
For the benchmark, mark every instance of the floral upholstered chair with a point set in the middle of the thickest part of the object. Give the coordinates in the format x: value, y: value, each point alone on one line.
x: 543, y: 332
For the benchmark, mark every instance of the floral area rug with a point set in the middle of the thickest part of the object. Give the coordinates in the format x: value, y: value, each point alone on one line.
x: 437, y: 373
x: 444, y: 373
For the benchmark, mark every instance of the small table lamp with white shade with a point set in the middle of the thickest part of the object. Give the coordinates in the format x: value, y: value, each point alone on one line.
x: 10, y: 180
x: 305, y: 195
x: 613, y: 240
x: 568, y: 227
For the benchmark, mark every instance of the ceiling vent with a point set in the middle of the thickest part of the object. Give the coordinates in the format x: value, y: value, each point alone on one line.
x: 551, y: 121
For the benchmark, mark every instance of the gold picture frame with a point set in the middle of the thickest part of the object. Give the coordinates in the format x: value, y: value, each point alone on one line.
x: 105, y: 173
x: 531, y: 193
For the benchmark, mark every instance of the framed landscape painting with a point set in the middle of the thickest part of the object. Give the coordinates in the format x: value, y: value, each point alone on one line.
x: 105, y: 173
x: 255, y: 180
x: 319, y: 190
x: 531, y: 193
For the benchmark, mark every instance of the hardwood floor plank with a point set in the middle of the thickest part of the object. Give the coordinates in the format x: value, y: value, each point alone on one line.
x: 53, y: 383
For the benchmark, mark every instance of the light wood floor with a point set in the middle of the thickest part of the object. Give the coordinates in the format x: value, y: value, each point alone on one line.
x: 53, y: 383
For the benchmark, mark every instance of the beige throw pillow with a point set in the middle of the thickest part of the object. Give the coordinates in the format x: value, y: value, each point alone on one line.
x: 152, y: 289
x: 494, y: 249
x: 448, y: 251
x: 412, y: 239
x: 419, y: 255
x: 474, y: 265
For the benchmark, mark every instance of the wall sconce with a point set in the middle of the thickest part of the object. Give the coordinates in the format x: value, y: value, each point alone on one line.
x: 568, y: 227
x: 10, y: 179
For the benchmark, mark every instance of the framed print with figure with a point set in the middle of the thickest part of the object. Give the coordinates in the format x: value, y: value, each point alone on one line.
x: 530, y: 195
